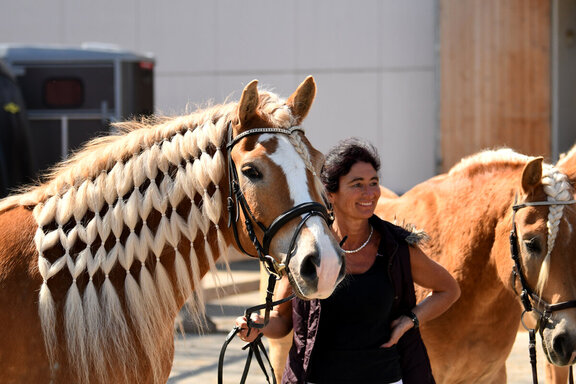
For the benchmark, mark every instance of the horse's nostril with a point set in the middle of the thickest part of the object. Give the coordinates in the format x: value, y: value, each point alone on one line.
x: 309, y: 266
x: 562, y: 346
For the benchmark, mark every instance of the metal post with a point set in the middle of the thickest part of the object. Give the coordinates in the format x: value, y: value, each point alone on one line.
x: 64, y: 136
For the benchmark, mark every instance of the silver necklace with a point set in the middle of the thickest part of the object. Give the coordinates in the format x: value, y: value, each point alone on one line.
x: 363, y: 245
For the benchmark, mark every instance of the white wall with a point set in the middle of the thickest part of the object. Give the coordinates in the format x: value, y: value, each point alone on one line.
x: 373, y: 60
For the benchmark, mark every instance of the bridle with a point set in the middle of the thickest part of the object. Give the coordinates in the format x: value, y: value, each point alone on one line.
x: 275, y: 269
x: 530, y: 300
x: 237, y: 202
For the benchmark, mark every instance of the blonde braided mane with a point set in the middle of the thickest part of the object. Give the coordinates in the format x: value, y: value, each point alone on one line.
x: 93, y: 221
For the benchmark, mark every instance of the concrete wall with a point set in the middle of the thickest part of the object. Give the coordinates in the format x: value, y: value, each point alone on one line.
x: 374, y: 60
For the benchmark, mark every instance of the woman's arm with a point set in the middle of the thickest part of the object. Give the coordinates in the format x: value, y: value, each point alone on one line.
x: 444, y: 292
x: 280, y: 322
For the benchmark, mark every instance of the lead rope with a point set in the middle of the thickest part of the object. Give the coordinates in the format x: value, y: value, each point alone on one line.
x: 255, y: 348
x: 532, y: 352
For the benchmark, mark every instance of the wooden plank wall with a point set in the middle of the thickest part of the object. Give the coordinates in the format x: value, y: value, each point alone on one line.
x: 494, y: 77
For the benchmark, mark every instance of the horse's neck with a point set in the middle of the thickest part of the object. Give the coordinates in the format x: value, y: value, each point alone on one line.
x: 458, y: 214
x: 148, y: 205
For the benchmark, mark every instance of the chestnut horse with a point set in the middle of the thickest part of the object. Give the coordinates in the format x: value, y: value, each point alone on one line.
x: 96, y: 262
x: 468, y: 214
x: 559, y: 374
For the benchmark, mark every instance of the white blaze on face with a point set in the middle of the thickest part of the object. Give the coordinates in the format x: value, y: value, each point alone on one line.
x: 294, y: 169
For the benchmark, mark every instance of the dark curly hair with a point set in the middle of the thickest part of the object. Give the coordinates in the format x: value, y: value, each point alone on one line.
x: 343, y: 156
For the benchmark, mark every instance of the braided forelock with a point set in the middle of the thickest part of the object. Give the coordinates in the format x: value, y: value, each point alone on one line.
x: 282, y: 117
x: 305, y: 155
x: 557, y: 188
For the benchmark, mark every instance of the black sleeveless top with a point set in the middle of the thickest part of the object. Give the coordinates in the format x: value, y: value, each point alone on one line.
x: 355, y: 322
x: 306, y: 316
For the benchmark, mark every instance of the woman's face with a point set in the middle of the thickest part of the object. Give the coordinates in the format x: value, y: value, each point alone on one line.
x: 358, y: 193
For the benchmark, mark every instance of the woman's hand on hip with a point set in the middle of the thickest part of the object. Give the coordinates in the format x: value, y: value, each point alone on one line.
x: 399, y: 327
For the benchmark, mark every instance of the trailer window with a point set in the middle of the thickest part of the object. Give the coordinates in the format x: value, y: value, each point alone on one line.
x: 63, y: 93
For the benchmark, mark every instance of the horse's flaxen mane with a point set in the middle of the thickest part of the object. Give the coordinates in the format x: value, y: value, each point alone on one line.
x: 488, y: 158
x: 95, y: 206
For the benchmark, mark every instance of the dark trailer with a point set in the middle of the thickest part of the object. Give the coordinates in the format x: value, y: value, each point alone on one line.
x: 73, y: 93
x: 16, y: 163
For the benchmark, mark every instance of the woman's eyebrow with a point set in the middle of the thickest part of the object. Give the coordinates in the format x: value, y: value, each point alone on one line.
x: 361, y: 179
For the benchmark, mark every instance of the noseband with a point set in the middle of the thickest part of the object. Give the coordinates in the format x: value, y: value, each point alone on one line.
x: 530, y: 300
x: 237, y: 202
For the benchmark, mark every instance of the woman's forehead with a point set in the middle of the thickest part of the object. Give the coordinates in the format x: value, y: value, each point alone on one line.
x: 361, y: 170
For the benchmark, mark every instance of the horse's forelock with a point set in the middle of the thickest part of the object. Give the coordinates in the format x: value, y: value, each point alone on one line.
x: 557, y: 188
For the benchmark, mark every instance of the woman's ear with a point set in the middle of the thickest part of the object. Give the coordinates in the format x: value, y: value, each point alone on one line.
x: 330, y: 198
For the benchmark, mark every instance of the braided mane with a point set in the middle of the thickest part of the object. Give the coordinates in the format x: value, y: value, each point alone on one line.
x: 114, y: 209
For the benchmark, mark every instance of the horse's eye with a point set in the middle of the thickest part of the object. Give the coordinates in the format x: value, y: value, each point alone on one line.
x: 251, y: 172
x: 533, y: 245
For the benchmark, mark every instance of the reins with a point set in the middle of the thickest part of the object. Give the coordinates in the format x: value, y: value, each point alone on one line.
x: 530, y: 300
x: 275, y: 269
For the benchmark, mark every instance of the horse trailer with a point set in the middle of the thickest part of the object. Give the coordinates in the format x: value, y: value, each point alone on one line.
x: 72, y: 94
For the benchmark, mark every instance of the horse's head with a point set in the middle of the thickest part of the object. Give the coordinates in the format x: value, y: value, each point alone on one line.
x: 278, y: 193
x: 545, y: 222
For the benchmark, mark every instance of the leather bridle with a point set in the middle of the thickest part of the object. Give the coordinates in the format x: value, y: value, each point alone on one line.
x: 237, y: 202
x: 530, y: 300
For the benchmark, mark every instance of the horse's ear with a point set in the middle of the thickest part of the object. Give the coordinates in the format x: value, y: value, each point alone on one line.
x: 248, y: 102
x: 532, y: 175
x: 301, y: 100
x: 567, y: 164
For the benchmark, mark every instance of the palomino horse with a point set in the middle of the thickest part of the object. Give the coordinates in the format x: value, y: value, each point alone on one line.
x: 560, y: 374
x: 96, y: 262
x: 468, y: 214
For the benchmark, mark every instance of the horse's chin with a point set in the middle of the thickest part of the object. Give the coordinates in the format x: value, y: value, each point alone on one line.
x: 298, y: 290
x: 556, y: 359
x: 306, y: 291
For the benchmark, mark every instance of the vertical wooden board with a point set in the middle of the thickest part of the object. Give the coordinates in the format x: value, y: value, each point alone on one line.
x: 494, y: 77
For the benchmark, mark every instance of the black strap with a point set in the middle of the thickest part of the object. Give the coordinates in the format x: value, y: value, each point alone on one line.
x: 532, y: 352
x: 571, y: 376
x: 255, y: 348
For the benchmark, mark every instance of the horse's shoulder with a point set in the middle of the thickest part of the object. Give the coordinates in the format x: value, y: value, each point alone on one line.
x: 16, y: 238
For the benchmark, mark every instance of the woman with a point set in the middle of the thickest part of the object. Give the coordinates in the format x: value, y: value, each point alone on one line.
x: 367, y: 331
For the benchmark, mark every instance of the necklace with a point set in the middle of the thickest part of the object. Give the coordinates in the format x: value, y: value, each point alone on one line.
x: 363, y: 245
